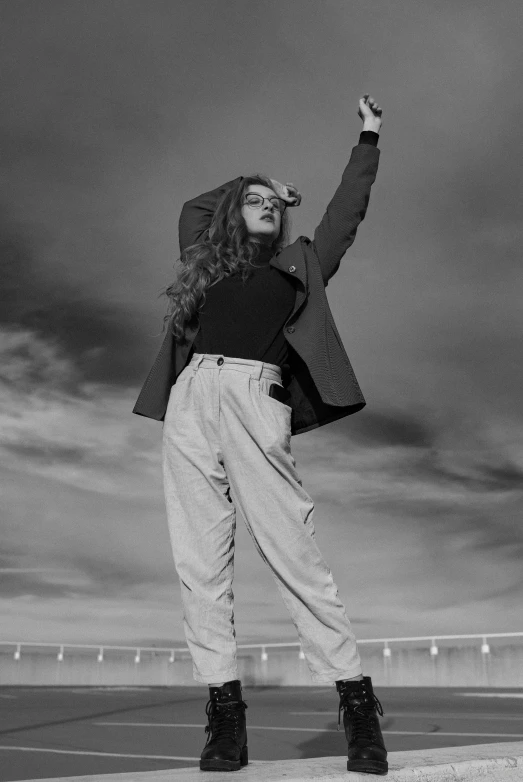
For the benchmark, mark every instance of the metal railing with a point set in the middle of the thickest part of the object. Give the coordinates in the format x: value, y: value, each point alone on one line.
x: 138, y: 650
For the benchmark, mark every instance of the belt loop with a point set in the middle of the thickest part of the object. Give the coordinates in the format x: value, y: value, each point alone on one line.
x: 199, y: 360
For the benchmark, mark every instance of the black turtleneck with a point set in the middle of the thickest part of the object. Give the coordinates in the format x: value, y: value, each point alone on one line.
x: 246, y: 320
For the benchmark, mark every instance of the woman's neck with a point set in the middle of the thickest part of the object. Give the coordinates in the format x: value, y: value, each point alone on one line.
x: 264, y: 247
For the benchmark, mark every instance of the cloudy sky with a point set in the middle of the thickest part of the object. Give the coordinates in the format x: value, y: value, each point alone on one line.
x: 116, y: 112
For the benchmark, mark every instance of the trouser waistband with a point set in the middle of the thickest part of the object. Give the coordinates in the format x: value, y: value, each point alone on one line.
x: 257, y: 369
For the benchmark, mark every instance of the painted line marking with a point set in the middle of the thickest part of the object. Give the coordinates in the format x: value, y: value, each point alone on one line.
x: 101, y: 690
x: 446, y: 733
x: 100, y: 754
x: 489, y: 694
x: 303, y: 730
x: 421, y: 715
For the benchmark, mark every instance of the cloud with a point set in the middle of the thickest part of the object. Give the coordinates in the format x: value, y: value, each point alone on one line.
x: 392, y: 428
x: 115, y: 119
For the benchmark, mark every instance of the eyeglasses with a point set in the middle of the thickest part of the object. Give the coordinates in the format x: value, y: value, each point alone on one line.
x: 256, y: 201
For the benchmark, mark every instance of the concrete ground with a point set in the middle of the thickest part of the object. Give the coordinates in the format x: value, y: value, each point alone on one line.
x: 73, y: 731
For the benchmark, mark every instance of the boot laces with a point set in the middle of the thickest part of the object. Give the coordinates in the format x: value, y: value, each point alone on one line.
x: 362, y: 713
x: 225, y: 719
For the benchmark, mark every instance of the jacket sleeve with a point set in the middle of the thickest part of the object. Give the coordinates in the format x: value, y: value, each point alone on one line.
x: 196, y: 214
x: 337, y: 229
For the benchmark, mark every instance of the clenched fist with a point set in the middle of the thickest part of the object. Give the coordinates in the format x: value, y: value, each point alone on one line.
x: 288, y: 192
x: 370, y: 113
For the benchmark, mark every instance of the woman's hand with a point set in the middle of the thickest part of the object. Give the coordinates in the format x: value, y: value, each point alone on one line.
x: 370, y: 113
x: 287, y: 192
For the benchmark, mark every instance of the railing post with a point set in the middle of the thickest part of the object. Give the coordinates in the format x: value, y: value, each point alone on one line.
x: 264, y: 666
x: 434, y: 658
x: 18, y: 651
x: 386, y: 662
x: 485, y: 661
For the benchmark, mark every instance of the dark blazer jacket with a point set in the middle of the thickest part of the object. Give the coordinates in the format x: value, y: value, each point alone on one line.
x: 321, y: 380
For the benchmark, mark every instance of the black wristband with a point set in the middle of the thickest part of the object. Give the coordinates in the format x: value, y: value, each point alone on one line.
x: 369, y: 137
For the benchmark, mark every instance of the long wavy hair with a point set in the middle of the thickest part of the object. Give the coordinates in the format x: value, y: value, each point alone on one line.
x: 227, y: 248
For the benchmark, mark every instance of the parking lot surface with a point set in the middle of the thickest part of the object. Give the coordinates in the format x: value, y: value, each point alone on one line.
x: 74, y: 731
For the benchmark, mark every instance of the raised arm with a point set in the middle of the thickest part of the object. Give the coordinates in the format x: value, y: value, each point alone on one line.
x: 347, y: 208
x: 196, y: 214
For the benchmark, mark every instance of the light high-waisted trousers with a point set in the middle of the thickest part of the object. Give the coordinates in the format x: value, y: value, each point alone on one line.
x: 224, y: 435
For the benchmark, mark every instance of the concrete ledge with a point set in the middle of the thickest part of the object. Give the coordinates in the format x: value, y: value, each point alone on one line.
x: 484, y: 762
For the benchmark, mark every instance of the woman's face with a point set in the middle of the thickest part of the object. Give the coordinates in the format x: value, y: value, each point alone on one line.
x: 264, y: 222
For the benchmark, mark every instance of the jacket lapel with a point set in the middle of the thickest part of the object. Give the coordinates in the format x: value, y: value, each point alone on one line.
x: 294, y: 256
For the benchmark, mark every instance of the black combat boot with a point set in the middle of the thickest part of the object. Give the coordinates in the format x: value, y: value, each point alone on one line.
x: 226, y: 747
x: 362, y: 728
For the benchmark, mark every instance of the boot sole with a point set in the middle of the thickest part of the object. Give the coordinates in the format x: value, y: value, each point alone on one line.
x: 214, y: 764
x: 370, y: 766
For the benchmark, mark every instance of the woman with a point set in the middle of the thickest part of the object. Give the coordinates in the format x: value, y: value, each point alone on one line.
x: 251, y: 357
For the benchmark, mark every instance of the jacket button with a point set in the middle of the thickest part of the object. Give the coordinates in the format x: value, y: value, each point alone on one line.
x: 220, y: 361
x: 292, y: 268
x: 290, y: 329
